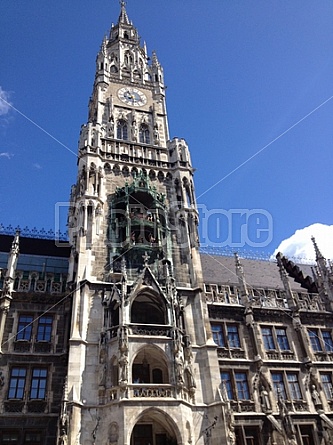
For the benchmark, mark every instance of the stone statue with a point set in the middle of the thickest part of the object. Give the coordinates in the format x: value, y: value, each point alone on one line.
x: 123, y: 339
x: 179, y: 368
x: 134, y: 131
x: 123, y: 364
x: 265, y: 402
x: 156, y: 134
x: 315, y: 396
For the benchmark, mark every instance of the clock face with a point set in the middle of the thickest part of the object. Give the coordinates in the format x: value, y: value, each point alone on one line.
x: 132, y: 96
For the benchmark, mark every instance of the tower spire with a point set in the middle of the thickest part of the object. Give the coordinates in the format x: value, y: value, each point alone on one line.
x: 123, y: 17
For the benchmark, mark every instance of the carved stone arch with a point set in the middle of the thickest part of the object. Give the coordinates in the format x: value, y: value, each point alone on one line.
x: 149, y: 307
x: 122, y: 127
x: 152, y: 175
x: 114, y: 68
x: 147, y: 76
x: 91, y: 204
x: 168, y: 176
x: 144, y: 120
x: 134, y: 171
x: 160, y: 423
x: 107, y: 168
x: 116, y: 169
x: 125, y: 171
x: 150, y: 365
x: 188, y: 191
x: 113, y: 433
x: 160, y: 176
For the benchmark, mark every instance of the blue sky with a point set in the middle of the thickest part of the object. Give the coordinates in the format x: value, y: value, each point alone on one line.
x: 241, y: 76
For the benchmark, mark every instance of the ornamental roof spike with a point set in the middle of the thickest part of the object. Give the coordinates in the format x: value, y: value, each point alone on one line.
x: 155, y: 59
x: 319, y: 255
x: 123, y: 17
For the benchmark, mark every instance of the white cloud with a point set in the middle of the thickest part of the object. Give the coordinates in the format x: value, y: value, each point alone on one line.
x: 5, y: 154
x: 300, y: 247
x: 38, y: 166
x: 4, y: 102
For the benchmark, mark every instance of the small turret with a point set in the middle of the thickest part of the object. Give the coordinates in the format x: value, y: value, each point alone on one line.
x: 6, y: 294
x: 323, y: 275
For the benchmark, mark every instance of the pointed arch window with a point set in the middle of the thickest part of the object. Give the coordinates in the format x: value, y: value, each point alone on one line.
x: 122, y: 130
x: 144, y: 135
x: 148, y: 309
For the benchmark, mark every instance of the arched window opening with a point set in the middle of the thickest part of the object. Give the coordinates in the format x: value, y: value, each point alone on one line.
x: 116, y: 170
x: 89, y: 225
x: 150, y: 366
x: 126, y: 171
x: 188, y: 192
x: 113, y: 69
x: 152, y: 175
x: 122, y: 131
x: 148, y: 309
x: 144, y: 135
x: 114, y: 314
x: 32, y: 283
x: 16, y: 282
x: 154, y: 428
x: 147, y: 77
x: 114, y: 374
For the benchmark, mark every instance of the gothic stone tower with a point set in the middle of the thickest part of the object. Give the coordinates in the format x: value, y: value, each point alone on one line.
x: 142, y: 364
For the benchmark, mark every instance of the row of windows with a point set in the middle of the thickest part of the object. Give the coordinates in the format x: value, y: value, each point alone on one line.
x: 252, y: 435
x: 274, y: 338
x: 285, y: 384
x: 122, y: 132
x: 32, y: 382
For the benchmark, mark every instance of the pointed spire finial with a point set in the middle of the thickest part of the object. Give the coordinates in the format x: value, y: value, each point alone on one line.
x: 319, y: 255
x: 123, y: 18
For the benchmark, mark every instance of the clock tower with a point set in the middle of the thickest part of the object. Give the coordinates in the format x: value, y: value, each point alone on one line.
x: 143, y: 367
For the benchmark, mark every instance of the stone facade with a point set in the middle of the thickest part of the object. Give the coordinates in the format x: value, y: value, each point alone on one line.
x: 140, y: 345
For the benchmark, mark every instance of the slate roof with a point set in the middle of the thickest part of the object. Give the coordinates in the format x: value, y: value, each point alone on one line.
x: 258, y: 273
